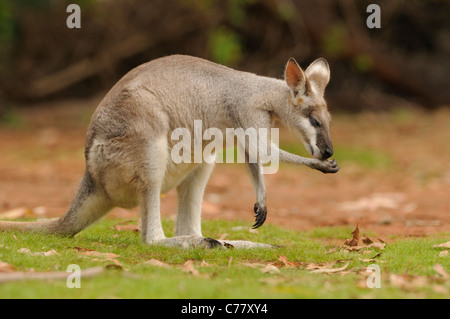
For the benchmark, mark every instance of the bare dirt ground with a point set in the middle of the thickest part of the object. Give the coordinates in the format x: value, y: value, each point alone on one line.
x: 394, y: 176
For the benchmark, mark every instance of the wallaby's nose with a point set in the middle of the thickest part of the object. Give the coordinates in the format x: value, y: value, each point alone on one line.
x: 328, y: 152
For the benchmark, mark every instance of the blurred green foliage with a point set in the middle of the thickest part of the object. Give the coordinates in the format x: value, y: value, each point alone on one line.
x: 333, y: 43
x: 225, y: 46
x: 251, y: 35
x: 6, y: 33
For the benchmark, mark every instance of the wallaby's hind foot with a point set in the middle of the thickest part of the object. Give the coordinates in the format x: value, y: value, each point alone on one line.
x: 243, y: 244
x: 206, y: 242
x: 188, y: 242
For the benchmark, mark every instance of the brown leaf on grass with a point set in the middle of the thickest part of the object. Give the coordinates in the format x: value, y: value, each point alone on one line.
x: 25, y: 251
x: 367, y: 241
x: 408, y: 282
x: 156, y: 263
x: 444, y: 245
x: 17, y: 213
x: 253, y: 265
x: 82, y: 249
x: 126, y: 226
x: 50, y: 253
x: 114, y: 261
x: 229, y: 262
x: 99, y: 255
x: 373, y: 245
x: 41, y: 253
x: 330, y: 270
x: 5, y: 267
x: 222, y: 236
x: 264, y: 268
x: 188, y: 267
x: 94, y: 253
x: 133, y: 228
x: 355, y: 237
x: 366, y: 260
x: 441, y: 271
x: 271, y: 269
x: 289, y: 264
x: 443, y: 253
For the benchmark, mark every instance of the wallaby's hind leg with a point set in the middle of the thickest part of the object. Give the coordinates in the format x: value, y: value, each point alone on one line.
x: 190, y: 197
x: 152, y: 230
x: 188, y: 227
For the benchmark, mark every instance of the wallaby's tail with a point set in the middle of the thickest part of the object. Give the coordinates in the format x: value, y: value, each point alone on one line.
x: 88, y: 205
x: 39, y: 227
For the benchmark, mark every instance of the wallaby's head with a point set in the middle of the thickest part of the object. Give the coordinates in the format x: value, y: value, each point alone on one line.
x: 308, y: 116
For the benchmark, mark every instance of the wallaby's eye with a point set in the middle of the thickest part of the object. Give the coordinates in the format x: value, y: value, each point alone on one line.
x: 314, y: 122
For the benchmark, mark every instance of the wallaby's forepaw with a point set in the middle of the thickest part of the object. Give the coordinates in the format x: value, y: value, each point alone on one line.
x: 327, y: 166
x: 260, y: 215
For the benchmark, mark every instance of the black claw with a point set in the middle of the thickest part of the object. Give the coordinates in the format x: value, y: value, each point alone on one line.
x: 260, y: 216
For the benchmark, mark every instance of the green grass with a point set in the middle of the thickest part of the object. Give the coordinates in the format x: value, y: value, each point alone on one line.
x: 226, y: 276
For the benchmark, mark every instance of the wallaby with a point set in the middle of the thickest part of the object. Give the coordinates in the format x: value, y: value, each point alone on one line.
x: 128, y: 141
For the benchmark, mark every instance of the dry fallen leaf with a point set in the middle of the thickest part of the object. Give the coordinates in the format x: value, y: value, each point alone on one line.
x: 5, y: 267
x: 50, y: 253
x: 133, y: 228
x: 17, y: 213
x: 368, y: 260
x: 289, y: 264
x: 94, y: 253
x: 440, y: 290
x: 157, y: 263
x: 330, y: 270
x: 264, y: 268
x: 444, y: 245
x: 397, y: 281
x: 271, y: 269
x: 441, y: 271
x: 188, y: 267
x: 355, y: 237
x: 100, y: 256
x: 24, y: 251
x: 367, y: 241
x: 42, y: 253
x: 253, y: 265
x: 374, y: 245
x: 443, y: 253
x: 222, y: 236
x: 408, y: 282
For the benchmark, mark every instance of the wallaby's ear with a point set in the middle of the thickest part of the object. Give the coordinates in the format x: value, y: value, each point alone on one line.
x: 295, y: 77
x: 318, y: 74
